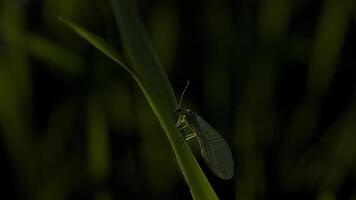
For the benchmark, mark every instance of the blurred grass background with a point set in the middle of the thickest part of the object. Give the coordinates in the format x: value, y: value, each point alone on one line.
x: 275, y: 77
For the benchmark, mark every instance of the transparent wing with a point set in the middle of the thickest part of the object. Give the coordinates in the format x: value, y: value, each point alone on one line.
x: 215, y: 151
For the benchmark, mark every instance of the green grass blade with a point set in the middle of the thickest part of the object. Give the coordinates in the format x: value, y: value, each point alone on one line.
x: 159, y: 94
x: 98, y: 43
x: 155, y: 85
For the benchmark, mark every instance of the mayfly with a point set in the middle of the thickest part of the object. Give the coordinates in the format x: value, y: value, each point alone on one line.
x: 214, y: 149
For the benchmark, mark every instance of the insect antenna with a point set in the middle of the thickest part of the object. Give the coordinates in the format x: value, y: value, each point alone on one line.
x: 181, y: 96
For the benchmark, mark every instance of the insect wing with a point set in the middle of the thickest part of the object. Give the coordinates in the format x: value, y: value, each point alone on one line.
x: 215, y: 151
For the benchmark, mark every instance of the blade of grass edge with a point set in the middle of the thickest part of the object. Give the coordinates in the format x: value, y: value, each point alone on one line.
x: 153, y: 76
x: 198, y: 183
x: 98, y: 43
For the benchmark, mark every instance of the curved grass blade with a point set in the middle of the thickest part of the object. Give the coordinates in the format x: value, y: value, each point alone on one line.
x: 98, y: 43
x: 159, y: 94
x: 154, y: 83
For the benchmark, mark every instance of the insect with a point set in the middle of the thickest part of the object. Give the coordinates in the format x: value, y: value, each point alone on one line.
x: 214, y: 149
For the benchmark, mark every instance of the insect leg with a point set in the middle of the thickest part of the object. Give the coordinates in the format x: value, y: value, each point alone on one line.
x: 190, y: 136
x: 180, y: 121
x: 182, y: 125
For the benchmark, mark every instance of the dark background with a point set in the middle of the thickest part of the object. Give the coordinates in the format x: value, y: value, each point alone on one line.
x: 275, y: 77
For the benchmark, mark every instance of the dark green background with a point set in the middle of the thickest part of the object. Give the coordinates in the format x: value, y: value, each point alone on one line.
x: 275, y: 77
